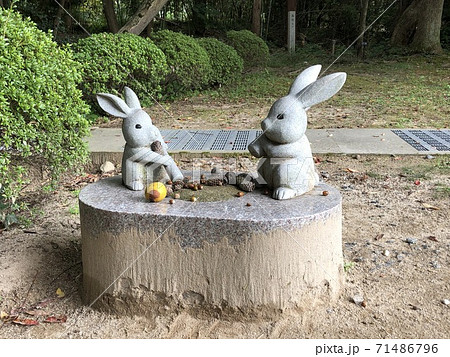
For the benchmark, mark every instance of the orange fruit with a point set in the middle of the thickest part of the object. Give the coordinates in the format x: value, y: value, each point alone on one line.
x: 155, y: 192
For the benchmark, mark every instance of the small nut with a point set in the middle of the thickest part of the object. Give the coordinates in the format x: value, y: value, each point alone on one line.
x: 364, y: 303
x: 248, y: 204
x: 325, y: 193
x: 171, y: 201
x: 240, y: 194
x: 202, y: 177
x: 266, y: 192
x: 193, y: 198
x: 200, y: 187
x: 169, y: 183
x: 176, y: 195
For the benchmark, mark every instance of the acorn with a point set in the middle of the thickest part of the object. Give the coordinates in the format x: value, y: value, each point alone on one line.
x: 155, y: 192
x: 325, y: 193
x: 240, y: 194
x: 171, y: 201
x: 200, y: 187
x: 176, y: 195
x: 193, y: 199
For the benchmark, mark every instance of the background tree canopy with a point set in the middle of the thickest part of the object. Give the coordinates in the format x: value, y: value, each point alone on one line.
x: 318, y: 21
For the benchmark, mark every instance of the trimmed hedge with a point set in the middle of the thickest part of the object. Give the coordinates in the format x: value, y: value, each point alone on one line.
x: 189, y: 63
x: 113, y: 61
x: 253, y: 50
x: 226, y: 64
x: 42, y: 113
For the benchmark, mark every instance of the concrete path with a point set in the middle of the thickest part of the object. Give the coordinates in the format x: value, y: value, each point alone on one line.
x: 107, y: 143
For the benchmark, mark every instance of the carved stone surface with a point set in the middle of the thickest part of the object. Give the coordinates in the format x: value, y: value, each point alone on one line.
x: 287, y: 164
x: 278, y: 254
x: 140, y: 164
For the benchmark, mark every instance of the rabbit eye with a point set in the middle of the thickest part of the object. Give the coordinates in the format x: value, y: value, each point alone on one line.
x: 280, y: 116
x: 138, y: 126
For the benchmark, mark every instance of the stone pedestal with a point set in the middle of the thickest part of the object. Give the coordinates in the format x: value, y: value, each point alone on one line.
x: 268, y: 255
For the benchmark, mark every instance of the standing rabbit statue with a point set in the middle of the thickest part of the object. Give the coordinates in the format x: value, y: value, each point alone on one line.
x: 139, y: 163
x: 287, y: 165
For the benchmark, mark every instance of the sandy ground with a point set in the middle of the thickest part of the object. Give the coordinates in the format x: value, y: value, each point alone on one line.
x: 403, y: 284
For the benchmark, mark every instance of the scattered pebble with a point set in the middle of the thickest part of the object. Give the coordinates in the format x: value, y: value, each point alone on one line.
x: 356, y: 157
x: 387, y: 253
x: 429, y: 157
x: 435, y: 264
x: 358, y: 300
x: 347, y: 187
x: 411, y: 240
x: 417, y: 182
x: 248, y: 204
x: 106, y: 167
x: 400, y: 257
x: 324, y: 174
x: 446, y: 302
x: 176, y: 196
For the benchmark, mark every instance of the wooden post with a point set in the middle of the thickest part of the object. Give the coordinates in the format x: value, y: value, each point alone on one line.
x: 291, y: 8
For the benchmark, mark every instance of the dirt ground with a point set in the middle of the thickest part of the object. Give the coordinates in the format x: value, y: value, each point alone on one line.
x: 396, y: 244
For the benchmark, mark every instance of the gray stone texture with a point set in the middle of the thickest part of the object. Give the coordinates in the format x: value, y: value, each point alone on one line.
x: 278, y: 254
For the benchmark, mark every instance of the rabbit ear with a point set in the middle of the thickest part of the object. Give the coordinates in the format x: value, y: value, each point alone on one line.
x: 113, y: 105
x: 322, y: 89
x: 131, y: 98
x: 305, y: 78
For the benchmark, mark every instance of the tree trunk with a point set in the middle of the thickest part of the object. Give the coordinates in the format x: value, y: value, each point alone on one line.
x: 363, y: 6
x: 1, y: 3
x: 146, y: 13
x: 418, y: 28
x: 59, y: 14
x: 110, y: 15
x: 256, y: 17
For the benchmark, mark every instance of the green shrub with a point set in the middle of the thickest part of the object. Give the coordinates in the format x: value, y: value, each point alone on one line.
x: 42, y: 114
x: 253, y: 50
x: 113, y: 61
x: 188, y: 61
x: 226, y: 64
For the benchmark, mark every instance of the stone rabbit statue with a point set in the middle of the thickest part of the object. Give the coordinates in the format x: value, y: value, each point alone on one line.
x: 139, y: 163
x: 287, y: 164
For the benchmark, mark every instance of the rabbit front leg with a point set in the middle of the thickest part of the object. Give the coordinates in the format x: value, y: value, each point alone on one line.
x: 136, y: 164
x: 256, y: 147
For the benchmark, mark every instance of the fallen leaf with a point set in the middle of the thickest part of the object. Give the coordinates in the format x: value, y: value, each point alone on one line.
x: 56, y: 319
x: 3, y: 315
x: 60, y: 293
x: 417, y: 182
x: 379, y: 236
x: 351, y: 170
x: 433, y: 238
x: 25, y: 322
x: 426, y: 205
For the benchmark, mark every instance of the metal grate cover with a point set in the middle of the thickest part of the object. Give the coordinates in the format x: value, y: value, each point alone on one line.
x: 209, y: 140
x: 426, y: 140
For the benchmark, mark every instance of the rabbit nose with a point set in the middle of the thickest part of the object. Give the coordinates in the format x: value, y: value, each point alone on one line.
x: 138, y: 126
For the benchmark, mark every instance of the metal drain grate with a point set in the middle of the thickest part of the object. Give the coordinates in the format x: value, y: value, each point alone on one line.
x: 426, y: 140
x: 209, y: 140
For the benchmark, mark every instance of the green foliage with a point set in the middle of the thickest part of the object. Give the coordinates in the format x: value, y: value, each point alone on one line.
x: 226, y: 64
x: 189, y: 62
x: 42, y: 114
x: 253, y: 50
x: 113, y: 61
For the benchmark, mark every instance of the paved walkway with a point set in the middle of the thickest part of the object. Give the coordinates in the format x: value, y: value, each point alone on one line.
x: 107, y: 143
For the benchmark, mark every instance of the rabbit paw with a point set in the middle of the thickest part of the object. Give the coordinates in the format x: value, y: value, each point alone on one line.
x: 137, y: 186
x: 283, y: 193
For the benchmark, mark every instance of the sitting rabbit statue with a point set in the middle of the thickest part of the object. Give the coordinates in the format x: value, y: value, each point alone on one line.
x: 139, y: 163
x: 287, y: 165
